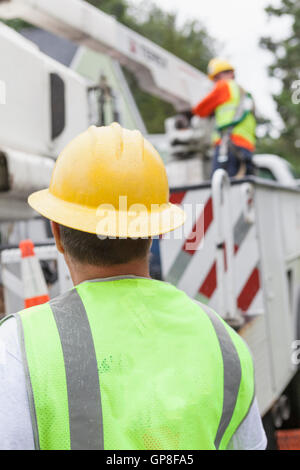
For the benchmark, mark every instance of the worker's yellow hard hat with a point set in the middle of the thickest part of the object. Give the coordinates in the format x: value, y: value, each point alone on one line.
x: 217, y: 66
x: 112, y: 182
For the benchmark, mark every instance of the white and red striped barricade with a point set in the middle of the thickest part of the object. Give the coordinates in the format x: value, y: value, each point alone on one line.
x: 35, y: 289
x: 21, y: 280
x: 197, y: 261
x: 240, y: 254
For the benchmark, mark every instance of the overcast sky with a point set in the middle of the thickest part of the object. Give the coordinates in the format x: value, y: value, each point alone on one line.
x: 238, y: 25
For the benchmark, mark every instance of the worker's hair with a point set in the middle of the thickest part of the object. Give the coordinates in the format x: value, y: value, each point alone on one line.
x: 88, y: 248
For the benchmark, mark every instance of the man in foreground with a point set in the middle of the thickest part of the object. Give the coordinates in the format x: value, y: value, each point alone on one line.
x: 120, y: 361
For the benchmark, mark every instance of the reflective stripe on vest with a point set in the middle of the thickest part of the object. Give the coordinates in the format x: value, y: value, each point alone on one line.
x: 232, y: 373
x: 85, y: 412
x: 82, y: 381
x: 72, y: 409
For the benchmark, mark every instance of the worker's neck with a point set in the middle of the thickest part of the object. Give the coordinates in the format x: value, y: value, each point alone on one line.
x: 86, y: 272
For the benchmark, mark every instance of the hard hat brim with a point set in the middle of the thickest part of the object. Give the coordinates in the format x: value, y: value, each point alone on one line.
x: 106, y: 221
x: 213, y: 75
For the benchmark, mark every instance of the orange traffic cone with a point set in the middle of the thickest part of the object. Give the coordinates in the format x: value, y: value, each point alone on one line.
x: 35, y: 288
x: 288, y: 439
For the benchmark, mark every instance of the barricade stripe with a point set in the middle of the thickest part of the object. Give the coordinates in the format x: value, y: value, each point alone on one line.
x: 249, y: 290
x: 210, y: 283
x: 205, y: 219
x: 240, y: 231
x: 252, y: 285
x: 184, y: 256
x: 181, y: 263
x: 177, y: 198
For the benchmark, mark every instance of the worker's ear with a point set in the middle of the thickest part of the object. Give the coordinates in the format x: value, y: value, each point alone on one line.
x: 56, y: 234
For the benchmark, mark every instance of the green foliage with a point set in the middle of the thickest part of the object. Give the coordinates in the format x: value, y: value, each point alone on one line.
x: 190, y: 42
x: 116, y: 8
x: 286, y: 67
x: 17, y: 24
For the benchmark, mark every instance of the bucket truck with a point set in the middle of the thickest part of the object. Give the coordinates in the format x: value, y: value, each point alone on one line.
x: 240, y: 250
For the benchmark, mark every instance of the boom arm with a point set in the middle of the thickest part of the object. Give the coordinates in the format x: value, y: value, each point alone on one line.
x: 158, y: 71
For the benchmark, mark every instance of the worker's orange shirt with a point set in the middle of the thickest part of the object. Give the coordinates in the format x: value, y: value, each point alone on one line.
x: 219, y: 95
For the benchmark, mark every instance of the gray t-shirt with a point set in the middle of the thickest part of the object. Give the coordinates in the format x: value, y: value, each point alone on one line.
x: 15, y: 422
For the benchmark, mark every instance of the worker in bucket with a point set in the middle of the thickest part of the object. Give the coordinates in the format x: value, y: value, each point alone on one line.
x: 235, y: 125
x: 120, y: 361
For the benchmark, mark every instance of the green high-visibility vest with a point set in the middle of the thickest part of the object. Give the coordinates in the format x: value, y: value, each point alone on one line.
x: 133, y: 364
x: 229, y: 115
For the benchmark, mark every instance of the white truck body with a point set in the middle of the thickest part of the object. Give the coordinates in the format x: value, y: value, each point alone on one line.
x: 32, y: 131
x: 26, y: 116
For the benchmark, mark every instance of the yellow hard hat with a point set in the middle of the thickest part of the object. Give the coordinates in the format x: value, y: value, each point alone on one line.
x: 217, y: 66
x: 112, y: 182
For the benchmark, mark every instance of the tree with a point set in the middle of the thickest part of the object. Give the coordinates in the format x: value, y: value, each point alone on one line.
x: 116, y: 8
x: 286, y: 68
x: 17, y: 24
x: 190, y: 42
